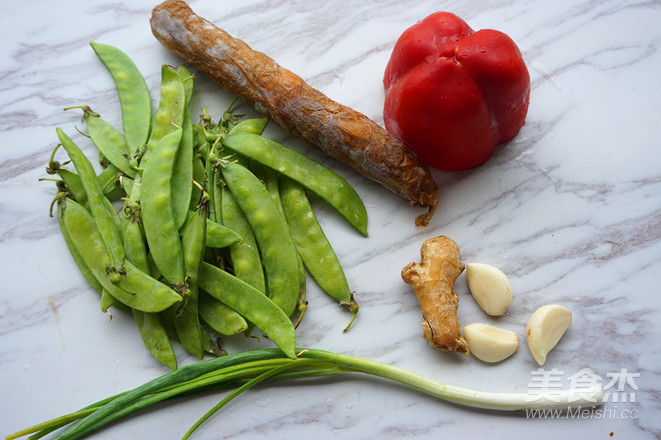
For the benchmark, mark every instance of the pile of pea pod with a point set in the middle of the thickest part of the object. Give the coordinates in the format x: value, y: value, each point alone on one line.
x: 197, y: 229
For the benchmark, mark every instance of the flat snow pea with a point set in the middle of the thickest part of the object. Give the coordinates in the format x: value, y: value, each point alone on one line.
x: 188, y: 81
x: 182, y: 173
x: 155, y: 337
x: 246, y: 262
x: 313, y: 245
x: 220, y: 317
x: 279, y: 255
x: 169, y: 115
x: 100, y: 207
x: 182, y: 177
x: 320, y: 180
x: 252, y: 125
x: 158, y: 219
x: 133, y: 94
x: 80, y: 262
x: 270, y: 179
x: 110, y: 143
x: 199, y: 176
x: 187, y: 321
x: 152, y: 331
x: 135, y: 288
x: 219, y: 236
x: 211, y: 188
x: 109, y: 180
x: 214, y: 185
x: 134, y: 241
x: 73, y: 184
x: 107, y: 300
x: 251, y: 304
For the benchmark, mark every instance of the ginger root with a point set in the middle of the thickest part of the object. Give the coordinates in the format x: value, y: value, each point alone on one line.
x: 432, y: 281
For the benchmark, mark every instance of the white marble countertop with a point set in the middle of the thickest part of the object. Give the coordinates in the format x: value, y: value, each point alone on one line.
x: 570, y: 210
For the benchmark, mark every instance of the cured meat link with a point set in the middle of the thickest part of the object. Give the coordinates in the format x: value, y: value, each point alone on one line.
x: 282, y: 96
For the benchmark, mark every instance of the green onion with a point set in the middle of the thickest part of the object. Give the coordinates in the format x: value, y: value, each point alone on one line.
x: 247, y: 369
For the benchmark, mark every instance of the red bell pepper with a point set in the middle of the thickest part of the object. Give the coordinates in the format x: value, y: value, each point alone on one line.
x: 453, y: 94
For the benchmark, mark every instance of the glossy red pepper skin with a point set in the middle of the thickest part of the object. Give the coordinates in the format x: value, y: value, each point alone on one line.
x: 453, y: 94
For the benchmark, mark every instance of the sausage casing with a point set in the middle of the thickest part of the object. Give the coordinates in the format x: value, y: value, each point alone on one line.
x: 282, y: 96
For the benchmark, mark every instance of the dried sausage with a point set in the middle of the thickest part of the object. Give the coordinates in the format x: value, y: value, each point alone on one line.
x: 342, y: 133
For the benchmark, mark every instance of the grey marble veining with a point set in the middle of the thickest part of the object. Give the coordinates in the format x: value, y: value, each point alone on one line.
x: 570, y: 210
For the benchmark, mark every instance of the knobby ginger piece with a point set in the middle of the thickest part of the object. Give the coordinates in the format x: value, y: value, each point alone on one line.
x: 432, y: 281
x: 341, y: 132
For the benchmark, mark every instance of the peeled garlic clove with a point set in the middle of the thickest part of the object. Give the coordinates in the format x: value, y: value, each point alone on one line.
x: 489, y: 343
x: 545, y: 328
x: 490, y: 288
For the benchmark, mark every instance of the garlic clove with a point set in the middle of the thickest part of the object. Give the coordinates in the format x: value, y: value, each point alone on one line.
x: 489, y: 343
x: 545, y: 328
x: 490, y: 288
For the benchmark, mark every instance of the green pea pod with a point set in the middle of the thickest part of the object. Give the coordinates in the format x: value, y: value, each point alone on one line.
x: 211, y: 189
x: 186, y: 321
x: 216, y: 194
x: 246, y: 262
x: 244, y: 257
x: 182, y: 173
x: 160, y: 227
x: 243, y: 254
x: 220, y: 317
x: 107, y: 300
x: 142, y: 292
x: 253, y: 125
x: 155, y: 337
x: 182, y: 178
x: 102, y: 210
x: 188, y: 81
x: 276, y: 247
x: 270, y: 179
x: 73, y: 184
x: 313, y: 246
x: 198, y: 176
x: 201, y: 143
x: 135, y: 247
x: 133, y: 94
x: 126, y: 183
x: 170, y: 113
x: 134, y: 288
x: 219, y: 236
x: 318, y: 179
x: 109, y: 181
x: 251, y: 304
x: 136, y: 252
x: 152, y: 331
x: 82, y: 265
x: 110, y: 143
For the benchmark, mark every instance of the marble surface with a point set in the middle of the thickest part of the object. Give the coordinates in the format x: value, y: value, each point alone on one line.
x: 570, y: 210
